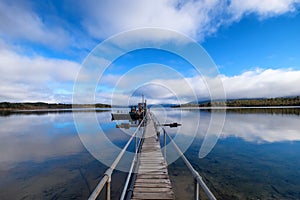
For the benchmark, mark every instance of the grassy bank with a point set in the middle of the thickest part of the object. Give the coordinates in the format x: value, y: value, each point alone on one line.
x: 42, y: 105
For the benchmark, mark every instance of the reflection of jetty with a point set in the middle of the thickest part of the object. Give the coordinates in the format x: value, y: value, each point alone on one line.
x: 148, y: 175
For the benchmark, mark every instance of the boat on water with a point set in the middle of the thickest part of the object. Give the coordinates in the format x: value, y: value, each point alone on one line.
x: 136, y: 112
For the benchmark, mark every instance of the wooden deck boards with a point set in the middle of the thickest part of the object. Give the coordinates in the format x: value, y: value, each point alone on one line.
x: 152, y: 180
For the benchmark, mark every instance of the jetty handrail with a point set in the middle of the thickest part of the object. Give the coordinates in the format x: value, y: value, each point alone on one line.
x: 133, y: 164
x: 198, y: 179
x: 106, y: 179
x: 195, y: 174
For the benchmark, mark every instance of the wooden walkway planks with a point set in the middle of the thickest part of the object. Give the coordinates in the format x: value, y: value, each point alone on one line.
x: 152, y: 180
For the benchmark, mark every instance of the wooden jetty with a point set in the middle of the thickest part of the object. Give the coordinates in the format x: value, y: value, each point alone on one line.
x: 148, y: 175
x: 152, y: 181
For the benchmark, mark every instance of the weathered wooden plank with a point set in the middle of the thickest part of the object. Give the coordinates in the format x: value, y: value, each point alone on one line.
x: 152, y: 161
x: 157, y: 167
x: 151, y: 190
x: 145, y: 161
x: 153, y: 195
x: 154, y: 172
x: 142, y: 158
x: 152, y: 180
x: 151, y: 154
x: 145, y: 170
x: 151, y: 167
x: 153, y: 176
x: 157, y: 163
x: 152, y: 185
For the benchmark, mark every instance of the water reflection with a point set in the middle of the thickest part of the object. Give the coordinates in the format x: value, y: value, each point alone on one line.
x: 260, y: 128
x: 6, y: 113
x: 252, y: 125
x: 36, y: 138
x: 42, y: 157
x: 256, y: 156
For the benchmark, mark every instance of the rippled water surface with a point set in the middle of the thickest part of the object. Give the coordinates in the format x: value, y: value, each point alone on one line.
x: 255, y: 157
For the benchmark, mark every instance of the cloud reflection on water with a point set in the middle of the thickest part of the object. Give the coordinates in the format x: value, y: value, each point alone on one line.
x: 251, y: 127
x: 40, y: 137
x: 36, y: 138
x: 261, y: 128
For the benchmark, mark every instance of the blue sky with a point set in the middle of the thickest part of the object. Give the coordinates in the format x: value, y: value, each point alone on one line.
x: 255, y: 45
x: 253, y: 42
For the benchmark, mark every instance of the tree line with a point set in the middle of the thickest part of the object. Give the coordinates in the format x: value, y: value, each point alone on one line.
x: 42, y: 105
x: 266, y: 102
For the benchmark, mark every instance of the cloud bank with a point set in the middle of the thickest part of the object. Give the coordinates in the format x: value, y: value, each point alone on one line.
x: 36, y: 78
x: 196, y: 19
x: 259, y: 83
x: 19, y: 21
x: 31, y: 27
x: 71, y: 23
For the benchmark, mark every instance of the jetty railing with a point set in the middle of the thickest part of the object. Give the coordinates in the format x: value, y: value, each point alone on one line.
x: 106, y: 179
x: 127, y: 189
x: 197, y: 178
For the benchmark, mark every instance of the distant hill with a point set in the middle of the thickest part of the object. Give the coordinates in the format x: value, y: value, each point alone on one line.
x: 260, y: 102
x: 42, y: 105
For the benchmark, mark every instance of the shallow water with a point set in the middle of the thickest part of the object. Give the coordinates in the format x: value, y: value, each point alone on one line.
x: 42, y: 157
x: 255, y: 157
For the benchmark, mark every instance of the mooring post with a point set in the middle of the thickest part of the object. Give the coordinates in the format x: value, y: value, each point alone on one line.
x: 108, y: 189
x: 165, y: 145
x: 196, y: 189
x: 135, y: 143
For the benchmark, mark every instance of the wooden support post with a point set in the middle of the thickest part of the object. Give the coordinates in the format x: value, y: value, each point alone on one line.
x: 196, y: 189
x: 135, y: 143
x: 165, y: 145
x: 108, y: 189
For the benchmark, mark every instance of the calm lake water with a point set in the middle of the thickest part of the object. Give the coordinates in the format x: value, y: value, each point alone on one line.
x: 255, y: 157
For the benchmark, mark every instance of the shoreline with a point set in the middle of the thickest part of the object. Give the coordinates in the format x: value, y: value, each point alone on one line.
x: 26, y: 106
x: 233, y: 107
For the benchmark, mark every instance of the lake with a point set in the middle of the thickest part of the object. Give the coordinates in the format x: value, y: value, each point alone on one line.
x: 255, y: 157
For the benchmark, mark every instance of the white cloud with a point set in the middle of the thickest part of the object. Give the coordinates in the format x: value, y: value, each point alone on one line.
x: 259, y: 83
x: 263, y: 83
x: 36, y: 78
x: 19, y: 21
x: 24, y: 78
x: 263, y: 8
x: 106, y: 18
x: 194, y: 18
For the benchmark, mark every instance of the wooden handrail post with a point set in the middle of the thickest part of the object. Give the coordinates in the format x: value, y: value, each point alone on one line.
x: 165, y: 145
x: 107, y: 175
x: 196, y: 190
x: 195, y: 174
x: 108, y: 189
